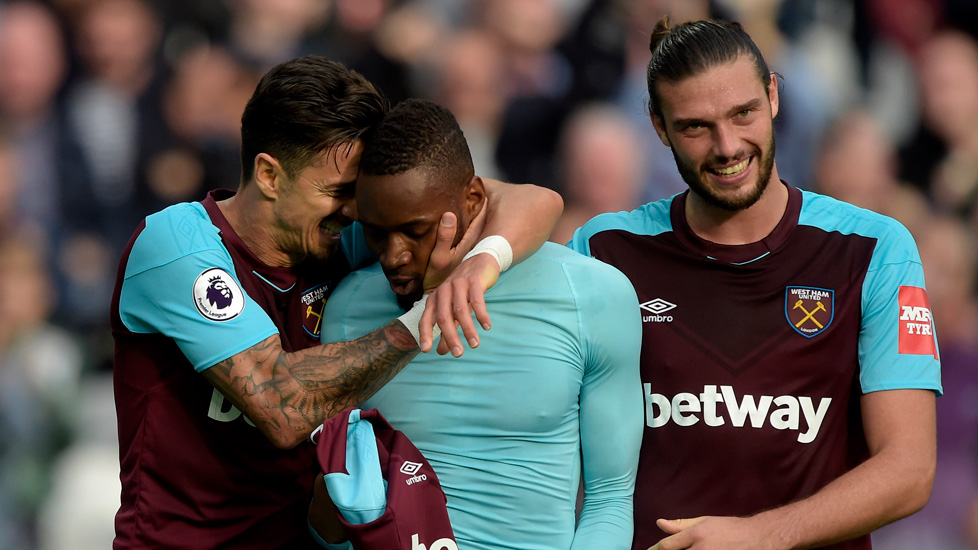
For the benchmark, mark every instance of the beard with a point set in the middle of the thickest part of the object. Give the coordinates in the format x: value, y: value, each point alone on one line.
x: 407, y: 302
x: 700, y: 185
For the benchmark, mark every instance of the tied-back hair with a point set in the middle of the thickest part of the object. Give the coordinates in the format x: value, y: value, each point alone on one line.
x: 304, y: 107
x: 418, y: 133
x: 690, y: 48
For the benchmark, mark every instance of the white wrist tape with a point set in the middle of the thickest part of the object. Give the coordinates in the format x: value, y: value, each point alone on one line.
x: 412, y: 318
x: 496, y: 246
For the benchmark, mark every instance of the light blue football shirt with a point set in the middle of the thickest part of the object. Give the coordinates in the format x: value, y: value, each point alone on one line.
x: 505, y: 426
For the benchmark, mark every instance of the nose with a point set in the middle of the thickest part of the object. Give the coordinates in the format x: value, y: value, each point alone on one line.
x: 726, y: 142
x: 395, y: 254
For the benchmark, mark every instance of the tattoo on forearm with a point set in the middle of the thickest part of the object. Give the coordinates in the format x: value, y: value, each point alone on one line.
x: 297, y: 391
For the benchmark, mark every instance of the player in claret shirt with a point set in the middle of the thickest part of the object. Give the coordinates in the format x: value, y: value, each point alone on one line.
x: 789, y: 362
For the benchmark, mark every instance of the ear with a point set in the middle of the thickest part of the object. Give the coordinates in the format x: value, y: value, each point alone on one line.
x: 772, y: 94
x: 660, y: 129
x: 268, y: 175
x: 474, y: 198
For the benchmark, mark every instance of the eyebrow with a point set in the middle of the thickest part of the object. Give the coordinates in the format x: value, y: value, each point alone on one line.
x: 684, y: 122
x: 400, y: 226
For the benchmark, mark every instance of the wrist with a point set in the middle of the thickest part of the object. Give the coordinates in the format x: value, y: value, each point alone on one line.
x: 411, y: 319
x: 496, y: 246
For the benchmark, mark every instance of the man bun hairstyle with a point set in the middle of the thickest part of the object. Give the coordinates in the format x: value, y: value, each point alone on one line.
x: 303, y: 107
x: 418, y: 133
x: 690, y: 48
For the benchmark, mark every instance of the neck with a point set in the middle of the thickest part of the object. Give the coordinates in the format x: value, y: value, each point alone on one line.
x: 250, y: 216
x: 743, y: 226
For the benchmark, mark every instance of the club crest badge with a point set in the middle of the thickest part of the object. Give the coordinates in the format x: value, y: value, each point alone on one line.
x: 313, y: 304
x: 809, y: 310
x: 217, y: 295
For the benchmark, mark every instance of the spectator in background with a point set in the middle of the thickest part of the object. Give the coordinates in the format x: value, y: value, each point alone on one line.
x: 601, y: 168
x: 662, y: 179
x: 114, y: 112
x: 202, y: 102
x: 942, y: 159
x: 470, y: 76
x: 33, y: 69
x: 536, y: 79
x: 40, y: 368
x: 857, y: 163
x: 263, y: 33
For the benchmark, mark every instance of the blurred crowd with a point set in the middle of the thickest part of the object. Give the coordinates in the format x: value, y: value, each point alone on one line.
x: 113, y: 109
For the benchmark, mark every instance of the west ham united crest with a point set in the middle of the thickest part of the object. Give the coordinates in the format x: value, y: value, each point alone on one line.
x: 808, y: 310
x: 313, y: 304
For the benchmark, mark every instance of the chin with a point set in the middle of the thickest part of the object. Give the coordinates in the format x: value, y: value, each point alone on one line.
x: 406, y: 301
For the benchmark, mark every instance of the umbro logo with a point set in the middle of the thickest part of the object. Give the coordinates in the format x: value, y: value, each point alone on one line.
x: 411, y: 469
x: 657, y: 307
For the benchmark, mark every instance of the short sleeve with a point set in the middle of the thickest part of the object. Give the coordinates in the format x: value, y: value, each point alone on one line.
x: 193, y: 297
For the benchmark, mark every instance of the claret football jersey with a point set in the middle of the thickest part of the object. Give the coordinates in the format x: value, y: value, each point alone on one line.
x: 196, y: 472
x: 754, y: 357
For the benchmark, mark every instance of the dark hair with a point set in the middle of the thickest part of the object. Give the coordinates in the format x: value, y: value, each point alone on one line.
x: 690, y: 48
x: 418, y: 133
x: 303, y: 107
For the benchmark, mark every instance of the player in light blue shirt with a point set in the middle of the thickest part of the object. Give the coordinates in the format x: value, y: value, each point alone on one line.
x: 550, y: 397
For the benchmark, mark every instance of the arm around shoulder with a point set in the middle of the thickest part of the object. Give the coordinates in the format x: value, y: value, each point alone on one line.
x: 524, y: 214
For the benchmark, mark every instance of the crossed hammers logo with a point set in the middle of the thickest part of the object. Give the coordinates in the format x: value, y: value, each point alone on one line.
x: 809, y: 314
x: 319, y: 318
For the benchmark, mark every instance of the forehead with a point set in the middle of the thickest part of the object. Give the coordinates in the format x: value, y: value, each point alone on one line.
x: 712, y: 92
x: 337, y: 164
x: 392, y: 199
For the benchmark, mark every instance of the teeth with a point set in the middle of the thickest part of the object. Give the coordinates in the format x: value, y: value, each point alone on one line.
x: 731, y: 170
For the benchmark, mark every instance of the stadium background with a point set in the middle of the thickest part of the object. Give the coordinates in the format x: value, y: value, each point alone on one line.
x: 113, y: 109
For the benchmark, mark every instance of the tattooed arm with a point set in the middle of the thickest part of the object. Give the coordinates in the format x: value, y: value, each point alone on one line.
x: 287, y: 395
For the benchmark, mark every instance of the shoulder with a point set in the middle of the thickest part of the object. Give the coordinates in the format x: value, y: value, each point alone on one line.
x: 369, y: 279
x: 894, y: 243
x: 584, y: 275
x: 170, y: 234
x: 649, y: 219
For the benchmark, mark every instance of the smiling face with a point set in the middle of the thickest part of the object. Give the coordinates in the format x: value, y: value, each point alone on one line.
x: 718, y: 124
x: 400, y: 215
x: 311, y: 210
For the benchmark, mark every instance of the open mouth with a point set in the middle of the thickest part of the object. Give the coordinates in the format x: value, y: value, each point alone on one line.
x: 731, y: 171
x: 332, y: 229
x: 403, y: 285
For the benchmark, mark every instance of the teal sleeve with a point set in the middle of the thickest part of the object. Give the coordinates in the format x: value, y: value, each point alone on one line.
x: 897, y: 340
x: 167, y: 292
x: 611, y: 414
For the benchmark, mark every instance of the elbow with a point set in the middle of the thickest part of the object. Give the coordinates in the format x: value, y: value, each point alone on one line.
x: 282, y: 437
x: 922, y: 489
x: 920, y: 483
x: 555, y: 202
x: 285, y: 441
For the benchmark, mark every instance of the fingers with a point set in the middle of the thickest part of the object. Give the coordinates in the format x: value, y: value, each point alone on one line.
x: 442, y: 309
x: 673, y: 526
x: 426, y: 323
x: 445, y: 318
x: 443, y: 254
